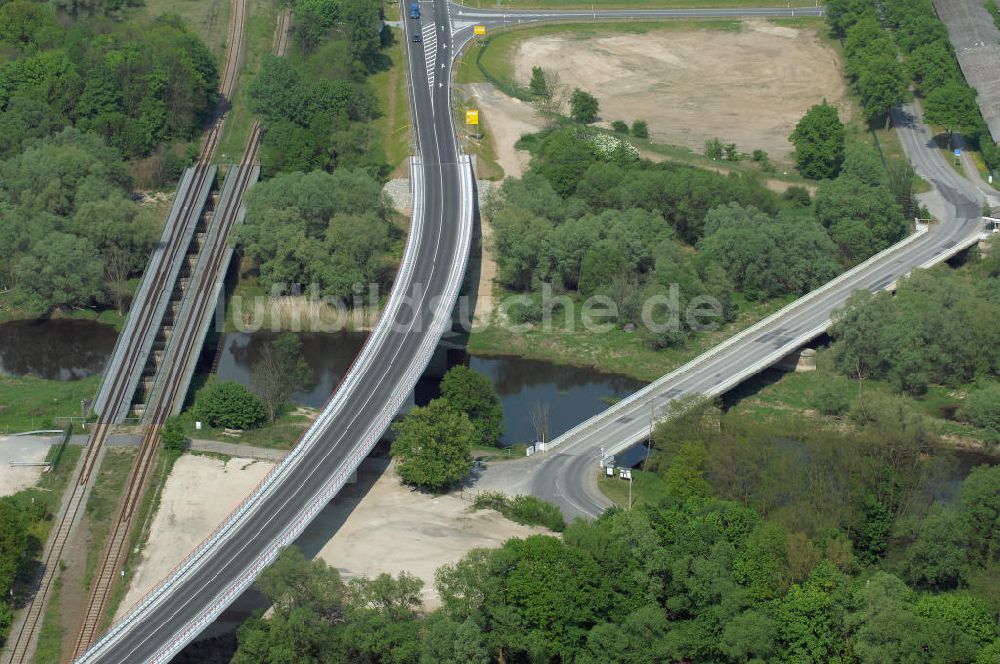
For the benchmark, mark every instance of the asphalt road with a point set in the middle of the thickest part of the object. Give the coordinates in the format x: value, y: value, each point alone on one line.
x: 568, y: 474
x: 564, y: 476
x: 395, y: 361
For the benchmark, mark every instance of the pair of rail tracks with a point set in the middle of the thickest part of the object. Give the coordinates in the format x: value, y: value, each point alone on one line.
x: 228, y: 214
x: 20, y: 650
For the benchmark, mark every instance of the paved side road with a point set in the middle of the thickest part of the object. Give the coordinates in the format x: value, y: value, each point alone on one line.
x: 200, y: 445
x: 567, y: 475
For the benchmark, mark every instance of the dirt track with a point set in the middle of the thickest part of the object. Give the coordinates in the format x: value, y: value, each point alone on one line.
x: 748, y: 87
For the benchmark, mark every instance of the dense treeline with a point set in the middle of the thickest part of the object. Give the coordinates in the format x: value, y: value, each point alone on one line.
x: 881, y: 78
x: 136, y: 88
x: 75, y: 100
x: 332, y: 230
x: 725, y: 569
x: 317, y: 107
x: 73, y: 237
x: 604, y: 222
x: 935, y: 330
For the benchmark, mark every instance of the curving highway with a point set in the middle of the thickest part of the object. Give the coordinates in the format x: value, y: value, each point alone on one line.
x: 363, y: 406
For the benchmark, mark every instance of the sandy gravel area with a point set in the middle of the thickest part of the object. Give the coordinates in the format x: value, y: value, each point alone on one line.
x: 375, y: 525
x: 507, y: 119
x: 378, y: 525
x: 199, y: 493
x: 21, y: 448
x: 748, y: 87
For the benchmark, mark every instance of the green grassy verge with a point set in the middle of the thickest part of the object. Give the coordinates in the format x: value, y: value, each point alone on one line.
x: 481, y: 145
x: 102, y: 504
x: 615, y: 351
x: 32, y: 403
x: 282, y: 434
x: 394, y: 125
x: 636, y: 4
x: 48, y: 492
x: 647, y: 488
x: 258, y: 38
x: 775, y: 394
x: 50, y: 636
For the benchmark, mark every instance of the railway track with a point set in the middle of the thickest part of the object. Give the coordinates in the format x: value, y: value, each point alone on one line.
x: 115, y: 554
x: 20, y: 648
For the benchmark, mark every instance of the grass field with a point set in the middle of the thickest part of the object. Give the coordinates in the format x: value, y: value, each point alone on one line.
x: 635, y: 4
x: 31, y: 403
x: 209, y: 19
x: 616, y: 351
x: 647, y: 488
x: 394, y: 126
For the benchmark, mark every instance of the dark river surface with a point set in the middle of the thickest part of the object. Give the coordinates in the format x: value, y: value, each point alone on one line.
x: 74, y: 349
x: 55, y: 349
x: 571, y: 394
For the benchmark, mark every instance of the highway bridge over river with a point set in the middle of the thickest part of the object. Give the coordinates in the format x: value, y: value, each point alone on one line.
x: 419, y: 311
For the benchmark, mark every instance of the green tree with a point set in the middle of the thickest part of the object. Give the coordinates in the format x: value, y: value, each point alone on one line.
x: 293, y: 582
x: 810, y: 618
x: 172, y: 437
x: 938, y: 557
x: 433, y: 445
x: 583, y: 106
x: 953, y: 106
x: 848, y: 197
x: 640, y: 129
x: 13, y: 545
x: 538, y: 85
x: 881, y: 86
x: 229, y: 405
x: 982, y: 407
x: 61, y: 271
x: 279, y: 370
x: 979, y: 497
x: 764, y: 256
x: 472, y: 393
x: 619, y: 127
x: 819, y: 142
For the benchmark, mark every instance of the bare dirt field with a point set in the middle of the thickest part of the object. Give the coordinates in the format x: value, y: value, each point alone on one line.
x: 21, y: 448
x: 378, y: 525
x: 374, y: 525
x: 199, y: 493
x: 748, y: 87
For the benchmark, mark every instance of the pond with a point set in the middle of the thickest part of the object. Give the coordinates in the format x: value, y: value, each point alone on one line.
x: 55, y: 349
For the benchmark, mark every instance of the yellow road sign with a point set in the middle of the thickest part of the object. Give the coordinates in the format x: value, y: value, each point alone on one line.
x: 472, y: 117
x: 479, y: 29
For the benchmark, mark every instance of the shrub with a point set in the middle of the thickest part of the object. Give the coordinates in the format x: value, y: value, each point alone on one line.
x: 526, y: 510
x: 619, y: 127
x: 230, y: 405
x: 798, y: 196
x: 640, y: 129
x: 172, y: 437
x: 713, y: 149
x: 832, y: 397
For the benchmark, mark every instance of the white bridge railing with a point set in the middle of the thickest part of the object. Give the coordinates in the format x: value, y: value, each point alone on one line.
x: 329, y: 415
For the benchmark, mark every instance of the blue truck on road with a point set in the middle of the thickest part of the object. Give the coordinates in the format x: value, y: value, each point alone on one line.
x: 415, y: 10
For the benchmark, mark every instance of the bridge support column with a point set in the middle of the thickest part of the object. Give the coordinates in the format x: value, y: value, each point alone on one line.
x: 800, y: 360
